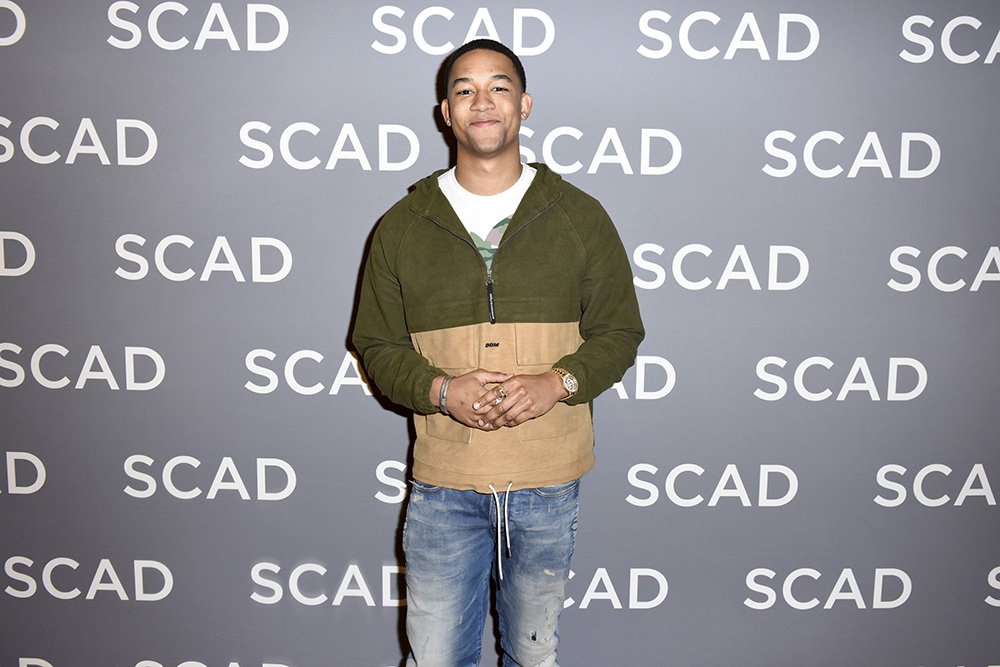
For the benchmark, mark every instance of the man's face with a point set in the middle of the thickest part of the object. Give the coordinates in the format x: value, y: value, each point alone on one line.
x: 485, y: 104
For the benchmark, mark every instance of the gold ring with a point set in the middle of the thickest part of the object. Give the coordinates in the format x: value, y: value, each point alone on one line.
x: 501, y: 392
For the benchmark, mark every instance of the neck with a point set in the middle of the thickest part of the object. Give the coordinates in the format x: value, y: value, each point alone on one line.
x: 487, y: 177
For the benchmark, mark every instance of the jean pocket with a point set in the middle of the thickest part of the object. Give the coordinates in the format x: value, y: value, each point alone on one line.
x: 557, y: 490
x: 423, y: 487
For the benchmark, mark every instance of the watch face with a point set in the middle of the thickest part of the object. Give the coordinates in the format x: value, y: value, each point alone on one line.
x: 569, y: 381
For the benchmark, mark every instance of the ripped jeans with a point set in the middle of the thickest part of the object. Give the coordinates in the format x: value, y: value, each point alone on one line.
x: 450, y: 542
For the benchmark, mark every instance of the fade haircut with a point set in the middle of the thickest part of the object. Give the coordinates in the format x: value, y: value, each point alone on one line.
x: 486, y: 45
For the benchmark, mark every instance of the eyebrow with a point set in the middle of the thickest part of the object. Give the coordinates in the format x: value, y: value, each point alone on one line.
x: 495, y: 77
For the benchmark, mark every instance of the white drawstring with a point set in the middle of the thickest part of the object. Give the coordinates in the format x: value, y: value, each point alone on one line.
x: 506, y: 526
x: 506, y: 523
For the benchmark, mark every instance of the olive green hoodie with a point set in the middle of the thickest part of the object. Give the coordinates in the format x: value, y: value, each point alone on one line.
x: 559, y: 294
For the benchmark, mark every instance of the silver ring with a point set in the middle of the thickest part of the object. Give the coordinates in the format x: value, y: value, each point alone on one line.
x: 498, y: 400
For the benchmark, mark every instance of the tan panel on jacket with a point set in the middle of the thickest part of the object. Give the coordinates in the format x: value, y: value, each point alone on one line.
x: 554, y: 448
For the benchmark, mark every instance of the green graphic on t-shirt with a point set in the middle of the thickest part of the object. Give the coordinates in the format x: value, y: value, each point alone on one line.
x: 487, y: 247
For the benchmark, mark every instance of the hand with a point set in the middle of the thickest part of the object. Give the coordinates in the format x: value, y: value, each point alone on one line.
x: 517, y: 399
x: 464, y: 390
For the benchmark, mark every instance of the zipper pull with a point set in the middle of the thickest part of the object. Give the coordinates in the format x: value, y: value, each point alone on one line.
x: 489, y: 297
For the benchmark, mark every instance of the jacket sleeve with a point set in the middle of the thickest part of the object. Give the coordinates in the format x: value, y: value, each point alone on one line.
x: 381, y: 336
x: 610, y: 324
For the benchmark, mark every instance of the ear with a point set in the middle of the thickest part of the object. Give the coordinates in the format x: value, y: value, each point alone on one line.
x: 525, y: 106
x: 446, y: 112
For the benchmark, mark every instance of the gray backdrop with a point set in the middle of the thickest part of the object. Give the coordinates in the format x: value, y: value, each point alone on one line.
x: 801, y: 468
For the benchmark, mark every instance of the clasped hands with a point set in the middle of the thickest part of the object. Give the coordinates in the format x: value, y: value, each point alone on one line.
x: 488, y: 400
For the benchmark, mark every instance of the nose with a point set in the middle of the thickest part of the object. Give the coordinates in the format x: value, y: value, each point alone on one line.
x: 482, y: 101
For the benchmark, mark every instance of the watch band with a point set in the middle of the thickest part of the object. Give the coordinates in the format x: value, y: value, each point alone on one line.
x: 570, y: 383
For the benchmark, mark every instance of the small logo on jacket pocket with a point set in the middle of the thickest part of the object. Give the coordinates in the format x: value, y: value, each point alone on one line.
x: 492, y: 345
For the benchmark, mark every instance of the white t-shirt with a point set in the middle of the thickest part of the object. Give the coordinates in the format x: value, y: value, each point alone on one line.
x: 481, y: 213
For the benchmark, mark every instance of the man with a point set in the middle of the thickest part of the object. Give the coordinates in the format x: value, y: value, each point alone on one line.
x: 497, y: 302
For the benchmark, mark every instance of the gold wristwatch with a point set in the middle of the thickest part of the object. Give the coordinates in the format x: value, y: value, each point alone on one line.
x: 569, y: 381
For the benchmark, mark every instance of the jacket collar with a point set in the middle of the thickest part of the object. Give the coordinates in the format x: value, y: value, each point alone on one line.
x: 428, y: 201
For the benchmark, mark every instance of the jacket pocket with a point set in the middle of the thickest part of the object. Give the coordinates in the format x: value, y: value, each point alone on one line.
x: 541, y: 344
x: 445, y: 428
x: 454, y: 350
x: 560, y: 421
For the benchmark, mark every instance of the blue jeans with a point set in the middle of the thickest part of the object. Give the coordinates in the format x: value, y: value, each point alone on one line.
x: 450, y: 542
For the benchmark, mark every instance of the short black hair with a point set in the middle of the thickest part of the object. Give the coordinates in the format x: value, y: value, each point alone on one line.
x: 487, y: 45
